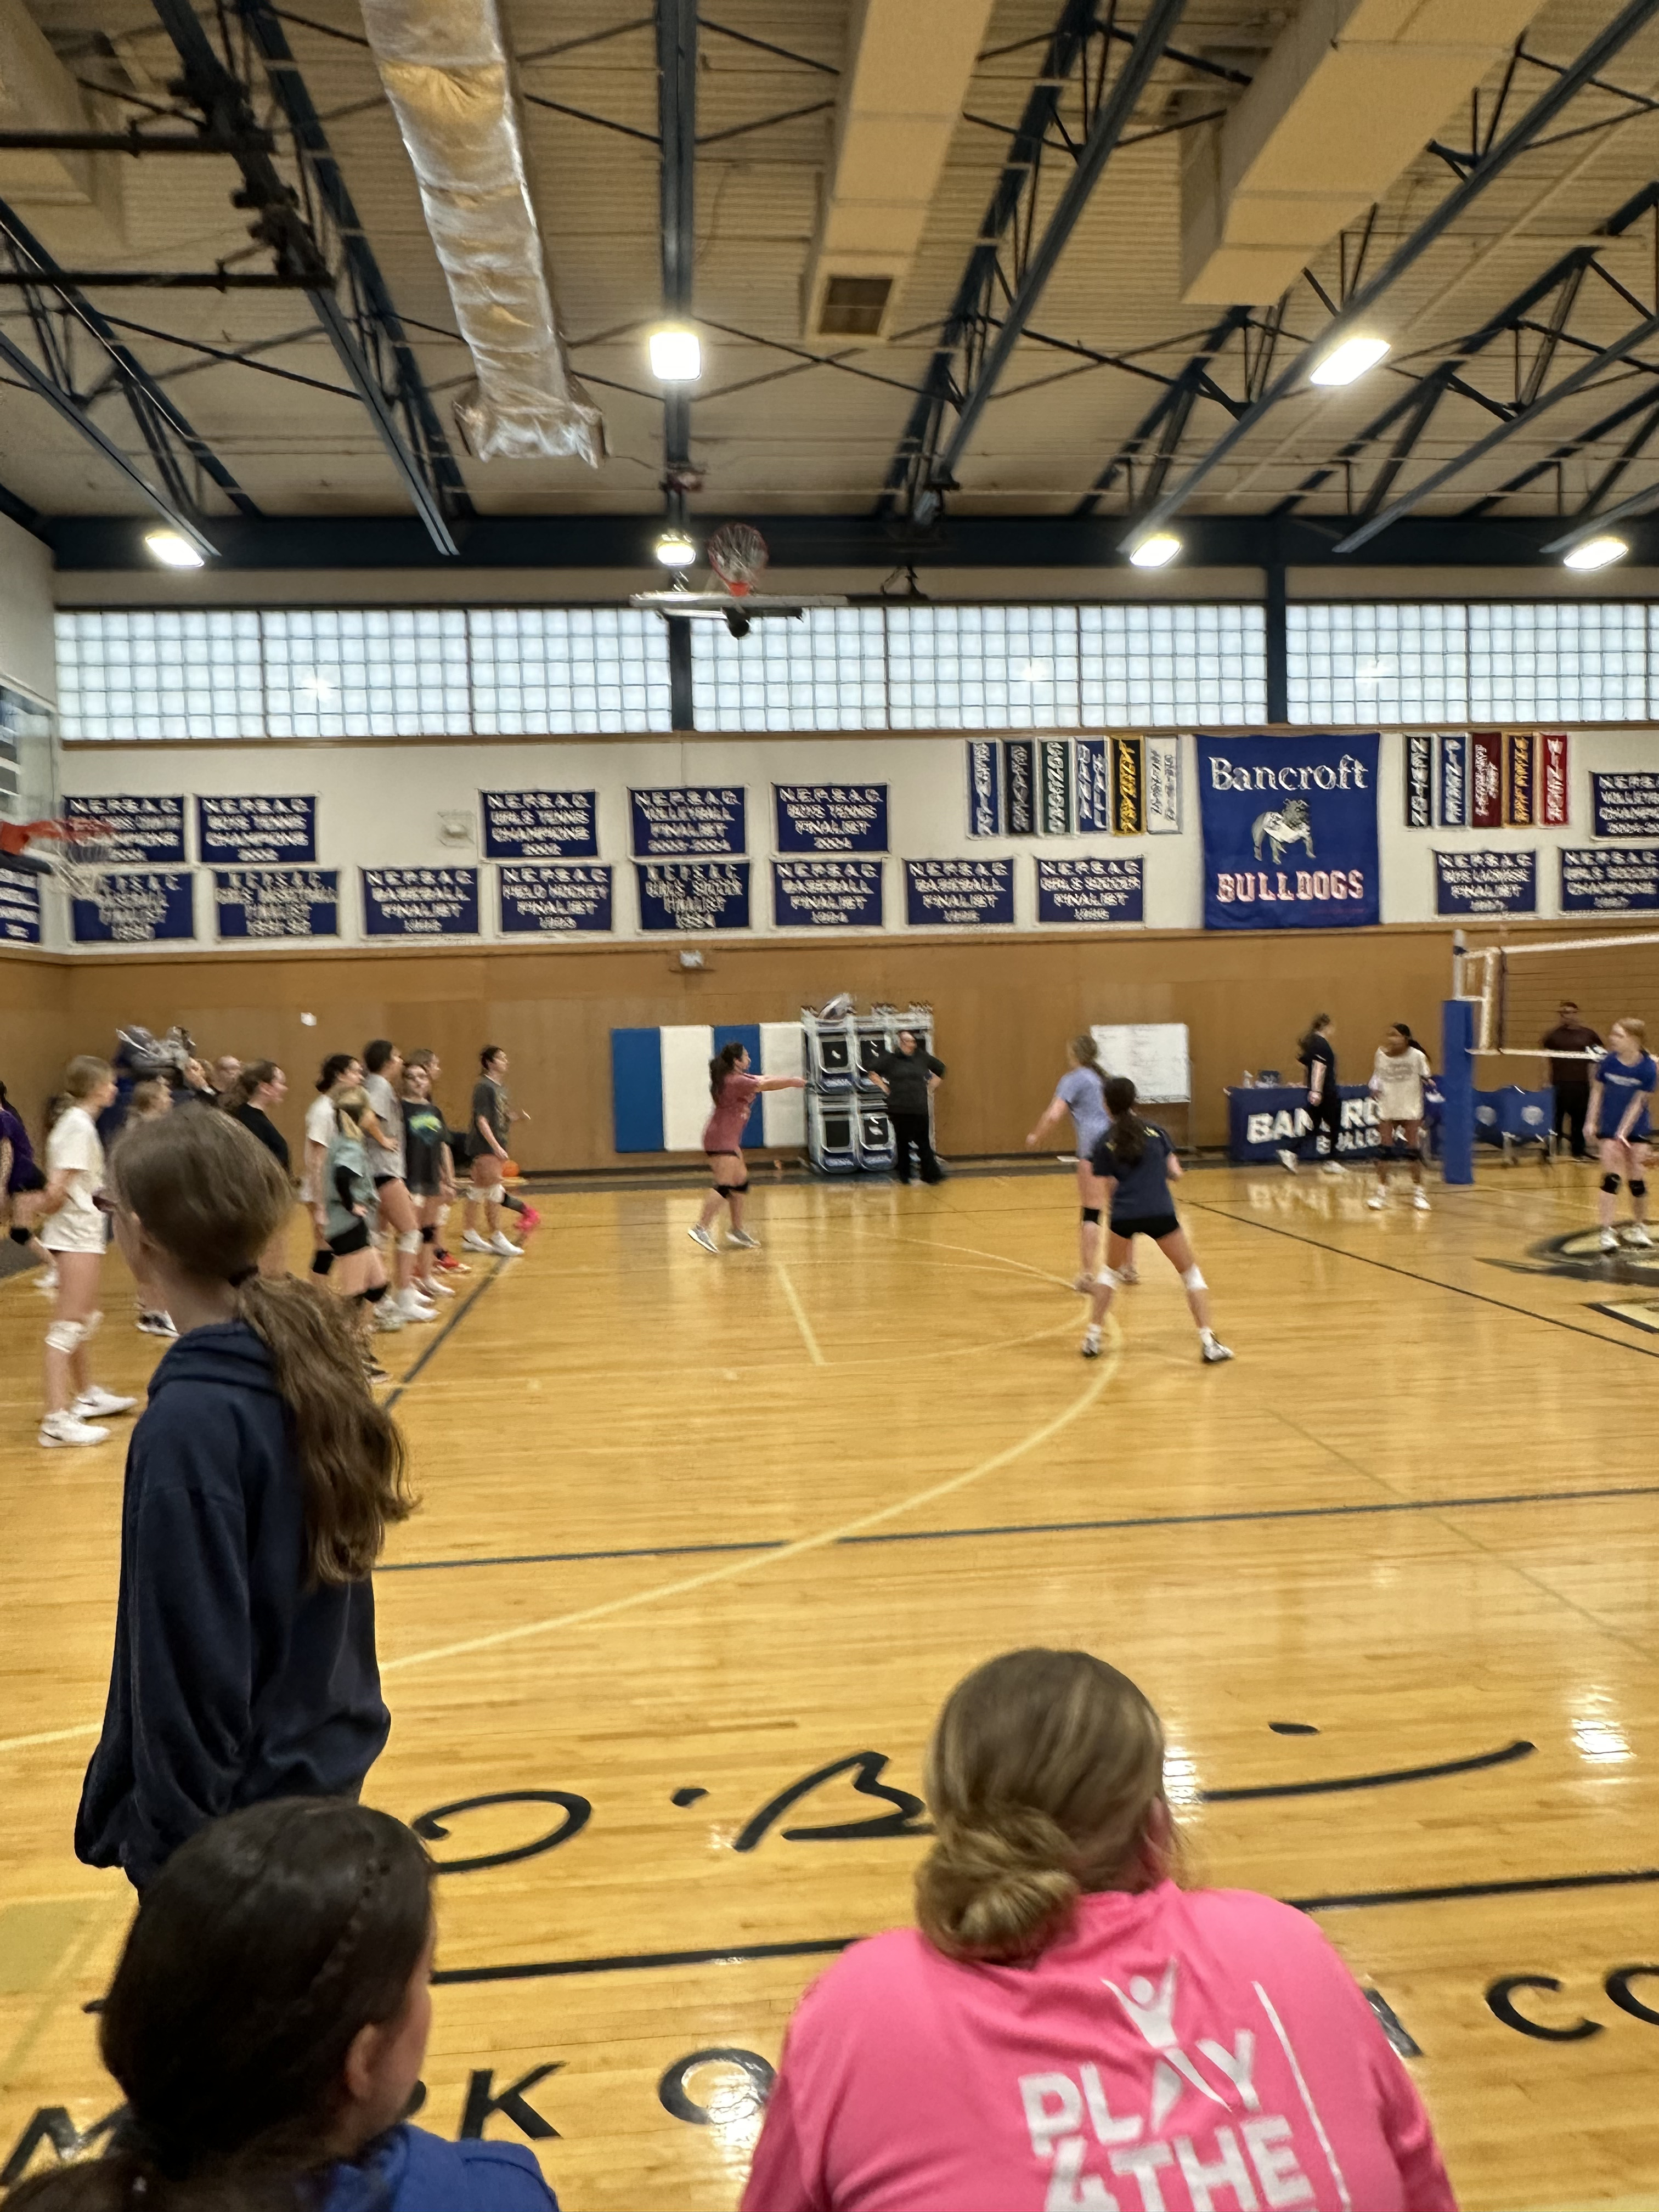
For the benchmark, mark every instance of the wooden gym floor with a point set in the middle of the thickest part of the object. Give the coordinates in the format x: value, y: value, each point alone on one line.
x: 695, y: 1531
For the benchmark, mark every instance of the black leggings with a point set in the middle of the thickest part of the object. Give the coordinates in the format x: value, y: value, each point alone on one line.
x: 1326, y: 1112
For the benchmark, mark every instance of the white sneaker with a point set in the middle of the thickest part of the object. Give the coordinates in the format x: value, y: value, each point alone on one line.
x: 156, y: 1324
x: 434, y: 1289
x: 699, y: 1235
x: 474, y: 1243
x: 1378, y: 1200
x: 503, y: 1244
x: 744, y: 1241
x: 69, y: 1429
x: 1213, y: 1351
x: 1637, y: 1236
x: 1421, y: 1200
x: 1334, y: 1168
x: 1091, y: 1346
x: 1609, y: 1240
x: 413, y: 1307
x: 1129, y: 1276
x: 95, y: 1404
x: 389, y: 1317
x: 1288, y: 1160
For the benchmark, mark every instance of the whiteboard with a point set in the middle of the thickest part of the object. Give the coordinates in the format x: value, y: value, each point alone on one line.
x: 1152, y: 1054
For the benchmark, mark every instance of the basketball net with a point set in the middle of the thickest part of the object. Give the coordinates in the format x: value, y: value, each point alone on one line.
x: 75, y: 850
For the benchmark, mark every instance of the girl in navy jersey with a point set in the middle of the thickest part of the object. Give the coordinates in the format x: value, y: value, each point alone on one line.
x: 1621, y: 1102
x: 1135, y: 1160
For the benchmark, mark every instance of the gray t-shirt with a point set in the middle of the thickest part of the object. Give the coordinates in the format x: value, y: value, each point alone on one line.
x: 1085, y: 1095
x: 387, y: 1160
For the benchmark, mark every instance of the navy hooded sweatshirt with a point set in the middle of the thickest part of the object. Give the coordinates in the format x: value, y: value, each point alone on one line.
x: 233, y: 1682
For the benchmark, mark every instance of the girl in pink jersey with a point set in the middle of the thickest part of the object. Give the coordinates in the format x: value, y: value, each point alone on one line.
x: 1068, y: 2027
x: 734, y: 1090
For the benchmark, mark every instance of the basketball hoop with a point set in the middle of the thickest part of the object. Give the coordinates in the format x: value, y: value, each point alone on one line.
x: 76, y: 851
x: 738, y: 555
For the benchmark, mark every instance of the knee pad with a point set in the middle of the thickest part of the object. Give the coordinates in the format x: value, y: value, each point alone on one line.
x: 67, y: 1336
x: 1610, y: 1183
x: 373, y: 1296
x: 409, y: 1240
x: 496, y: 1196
x: 321, y: 1261
x: 1110, y: 1277
x: 1092, y: 1213
x: 429, y: 1233
x: 1192, y: 1280
x: 20, y: 1236
x: 1637, y: 1189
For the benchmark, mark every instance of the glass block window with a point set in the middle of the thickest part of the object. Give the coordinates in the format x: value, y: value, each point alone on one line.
x: 1163, y: 665
x: 1569, y: 663
x: 826, y: 671
x: 1377, y: 663
x: 980, y: 668
x: 162, y: 674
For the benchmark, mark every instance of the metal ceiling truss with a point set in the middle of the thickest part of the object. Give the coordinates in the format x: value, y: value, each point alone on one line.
x: 313, y: 231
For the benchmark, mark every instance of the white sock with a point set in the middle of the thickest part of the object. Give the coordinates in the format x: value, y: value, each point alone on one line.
x: 1206, y: 1336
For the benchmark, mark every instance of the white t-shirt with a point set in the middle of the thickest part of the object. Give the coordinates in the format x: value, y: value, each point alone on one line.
x: 1397, y: 1079
x: 77, y: 1225
x: 387, y: 1159
x: 321, y: 1128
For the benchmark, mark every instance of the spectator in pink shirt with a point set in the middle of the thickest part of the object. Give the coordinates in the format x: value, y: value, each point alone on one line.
x: 1070, y: 2031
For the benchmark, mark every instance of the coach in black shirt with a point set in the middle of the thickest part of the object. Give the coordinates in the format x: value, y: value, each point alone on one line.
x: 1571, y: 1077
x: 909, y: 1077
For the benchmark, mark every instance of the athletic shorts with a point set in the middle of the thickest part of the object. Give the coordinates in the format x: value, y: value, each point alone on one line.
x: 1155, y: 1225
x: 381, y: 1181
x: 355, y: 1239
x: 27, y: 1178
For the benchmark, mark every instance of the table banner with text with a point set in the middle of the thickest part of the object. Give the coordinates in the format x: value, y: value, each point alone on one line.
x: 420, y: 902
x: 540, y: 825
x: 554, y: 901
x: 828, y: 894
x: 267, y: 903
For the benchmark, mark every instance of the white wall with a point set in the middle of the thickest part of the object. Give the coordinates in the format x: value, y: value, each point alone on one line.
x: 379, y: 804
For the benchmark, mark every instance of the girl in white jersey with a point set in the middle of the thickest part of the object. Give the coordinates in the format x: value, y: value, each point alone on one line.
x: 1400, y: 1070
x: 73, y: 1232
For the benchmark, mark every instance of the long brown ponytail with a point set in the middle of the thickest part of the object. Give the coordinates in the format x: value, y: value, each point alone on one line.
x: 1128, y: 1137
x: 720, y: 1066
x: 212, y: 1197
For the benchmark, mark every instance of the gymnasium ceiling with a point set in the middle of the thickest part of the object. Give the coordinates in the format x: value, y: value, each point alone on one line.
x: 786, y: 423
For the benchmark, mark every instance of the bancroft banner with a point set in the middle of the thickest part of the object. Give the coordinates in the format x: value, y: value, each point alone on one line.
x: 1290, y: 832
x: 146, y: 829
x: 540, y: 825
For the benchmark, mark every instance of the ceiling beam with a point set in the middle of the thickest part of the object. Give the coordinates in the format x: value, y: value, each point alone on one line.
x: 1486, y: 170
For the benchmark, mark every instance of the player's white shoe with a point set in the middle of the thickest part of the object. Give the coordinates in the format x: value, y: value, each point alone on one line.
x: 1638, y: 1237
x: 1091, y: 1342
x: 1129, y: 1275
x: 434, y: 1289
x: 389, y: 1317
x: 699, y: 1235
x: 95, y: 1404
x: 504, y: 1246
x: 1287, y: 1159
x: 474, y: 1243
x: 1213, y: 1351
x: 1334, y: 1168
x: 67, y: 1428
x: 1378, y: 1200
x: 155, y: 1324
x: 413, y: 1307
x: 742, y: 1241
x: 1421, y: 1200
x: 1609, y: 1240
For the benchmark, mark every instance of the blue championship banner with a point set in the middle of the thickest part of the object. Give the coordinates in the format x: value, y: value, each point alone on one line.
x: 1290, y: 832
x: 1093, y: 757
x: 679, y: 823
x: 1019, y: 792
x: 147, y: 830
x: 540, y: 825
x: 984, y: 788
x: 954, y: 894
x: 420, y: 902
x: 1626, y: 804
x: 695, y: 895
x: 830, y: 817
x: 257, y: 831
x: 1610, y: 880
x: 554, y: 901
x: 1454, y: 781
x: 1055, y: 785
x: 137, y: 906
x: 1485, y: 883
x: 20, y: 909
x: 826, y: 894
x: 276, y: 901
x: 1092, y: 890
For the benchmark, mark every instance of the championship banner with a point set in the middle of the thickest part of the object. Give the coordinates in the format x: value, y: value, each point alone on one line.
x: 830, y: 817
x: 1553, y: 789
x: 1019, y: 799
x: 20, y: 909
x: 420, y: 902
x: 1128, y: 786
x: 1092, y: 773
x: 695, y: 895
x: 984, y: 788
x: 1093, y: 891
x: 554, y: 902
x: 1485, y: 883
x: 826, y: 894
x: 146, y: 828
x: 1610, y: 880
x: 1055, y: 785
x: 679, y: 823
x: 954, y: 894
x: 540, y: 825
x: 1420, y: 779
x: 1486, y: 780
x: 1520, y: 780
x: 1454, y: 781
x: 1164, y: 787
x: 1290, y: 832
x: 1626, y: 804
x: 255, y: 832
x: 137, y: 906
x: 276, y: 901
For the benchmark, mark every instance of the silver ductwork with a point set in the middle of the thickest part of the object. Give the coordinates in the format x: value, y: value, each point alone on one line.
x: 446, y: 72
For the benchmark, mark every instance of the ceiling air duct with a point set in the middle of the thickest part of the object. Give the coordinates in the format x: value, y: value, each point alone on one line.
x: 447, y: 73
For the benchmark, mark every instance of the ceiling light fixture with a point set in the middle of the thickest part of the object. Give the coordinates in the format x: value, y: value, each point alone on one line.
x: 675, y: 550
x: 1594, y: 553
x: 172, y: 549
x: 675, y: 356
x: 1156, y: 551
x: 1349, y: 361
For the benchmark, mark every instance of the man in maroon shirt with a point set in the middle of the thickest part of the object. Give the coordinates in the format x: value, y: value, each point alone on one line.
x: 1571, y: 1077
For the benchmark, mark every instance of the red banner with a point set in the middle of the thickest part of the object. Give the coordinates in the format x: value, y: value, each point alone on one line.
x: 1520, y: 796
x: 1485, y: 779
x: 1552, y: 786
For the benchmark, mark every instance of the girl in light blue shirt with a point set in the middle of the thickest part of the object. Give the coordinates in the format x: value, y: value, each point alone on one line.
x: 1081, y: 1092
